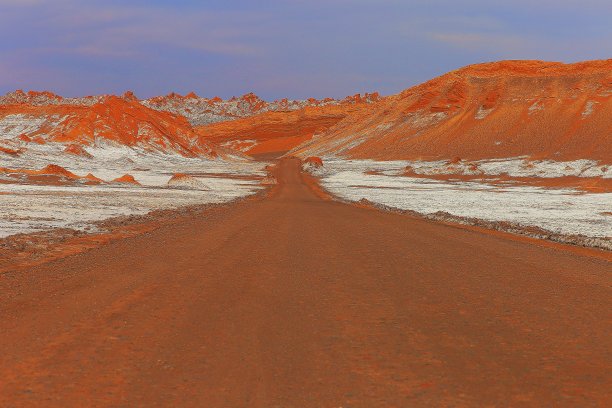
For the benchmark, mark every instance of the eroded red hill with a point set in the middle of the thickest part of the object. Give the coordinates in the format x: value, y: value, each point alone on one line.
x: 503, y: 109
x: 119, y: 120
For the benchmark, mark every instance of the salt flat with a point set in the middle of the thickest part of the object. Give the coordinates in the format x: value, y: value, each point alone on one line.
x: 28, y: 208
x: 559, y: 210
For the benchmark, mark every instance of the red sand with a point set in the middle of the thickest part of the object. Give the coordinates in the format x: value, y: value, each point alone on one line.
x: 293, y: 300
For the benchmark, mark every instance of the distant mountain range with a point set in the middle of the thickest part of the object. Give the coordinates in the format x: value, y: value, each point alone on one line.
x: 544, y: 110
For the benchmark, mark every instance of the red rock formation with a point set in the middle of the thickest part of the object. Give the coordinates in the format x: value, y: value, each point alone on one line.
x: 52, y: 174
x: 275, y: 133
x: 312, y: 164
x: 129, y: 96
x: 202, y: 111
x: 314, y: 161
x: 55, y: 170
x: 8, y: 151
x: 122, y: 120
x: 126, y: 179
x: 91, y: 179
x: 181, y: 180
x: 77, y: 150
x: 165, y: 123
x: 503, y: 109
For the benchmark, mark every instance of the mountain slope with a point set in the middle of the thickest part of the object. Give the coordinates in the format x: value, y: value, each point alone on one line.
x: 166, y: 123
x: 502, y: 109
x: 96, y: 120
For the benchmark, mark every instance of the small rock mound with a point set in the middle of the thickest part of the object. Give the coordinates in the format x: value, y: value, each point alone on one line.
x: 313, y: 165
x: 91, y: 179
x: 410, y: 171
x: 181, y: 180
x: 314, y: 161
x: 77, y: 150
x: 126, y: 179
x: 55, y: 170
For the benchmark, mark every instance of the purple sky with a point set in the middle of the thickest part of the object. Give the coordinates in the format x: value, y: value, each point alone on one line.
x: 289, y: 48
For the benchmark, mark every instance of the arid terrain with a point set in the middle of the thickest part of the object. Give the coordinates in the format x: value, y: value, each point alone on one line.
x: 297, y: 300
x: 449, y: 245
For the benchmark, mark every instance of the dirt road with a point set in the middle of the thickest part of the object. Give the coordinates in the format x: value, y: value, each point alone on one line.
x: 296, y: 301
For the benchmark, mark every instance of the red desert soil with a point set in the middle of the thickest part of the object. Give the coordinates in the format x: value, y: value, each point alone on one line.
x: 295, y: 300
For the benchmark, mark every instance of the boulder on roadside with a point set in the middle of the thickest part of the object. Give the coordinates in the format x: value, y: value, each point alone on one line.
x: 314, y: 161
x: 313, y: 165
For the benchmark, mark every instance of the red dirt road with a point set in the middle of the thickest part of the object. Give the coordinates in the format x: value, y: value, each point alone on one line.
x: 296, y: 301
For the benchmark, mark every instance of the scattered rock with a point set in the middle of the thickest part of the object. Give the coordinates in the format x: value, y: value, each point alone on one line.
x: 129, y: 96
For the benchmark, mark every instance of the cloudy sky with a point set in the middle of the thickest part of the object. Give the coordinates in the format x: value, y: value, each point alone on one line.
x: 281, y: 48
